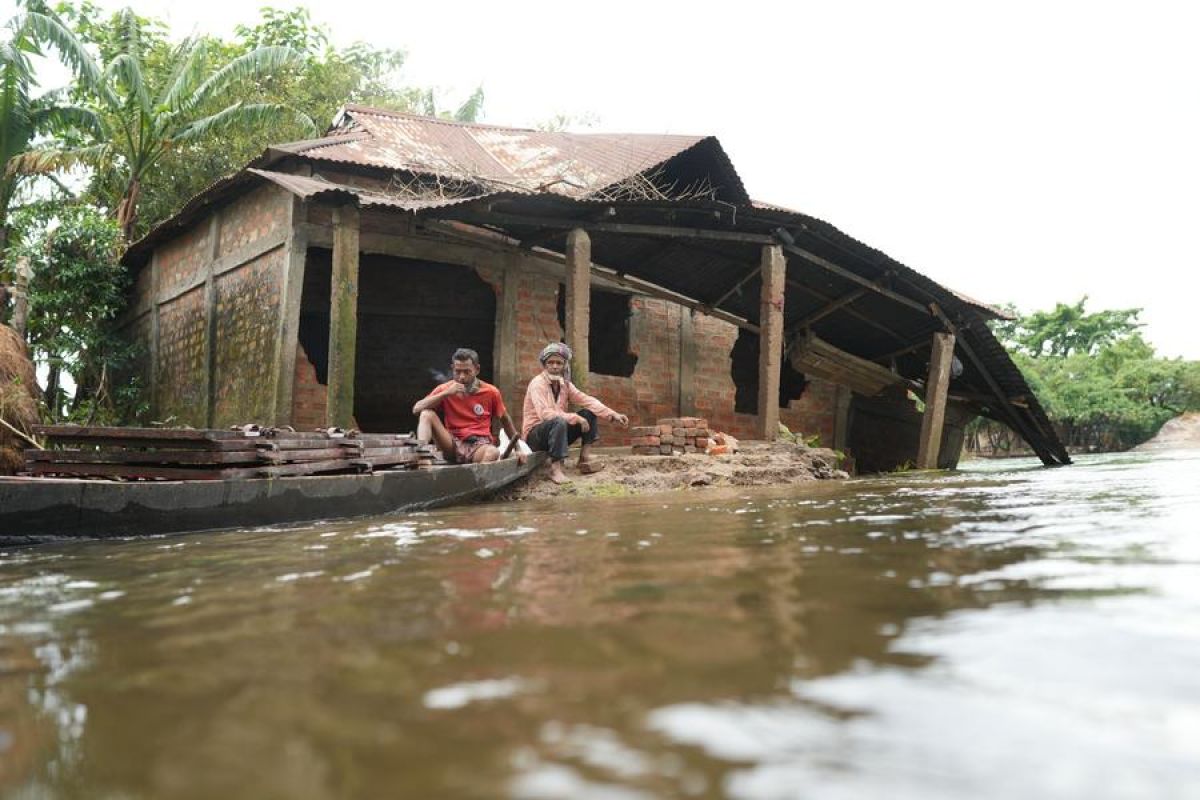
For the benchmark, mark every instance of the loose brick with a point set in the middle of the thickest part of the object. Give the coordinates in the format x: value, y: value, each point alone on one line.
x: 665, y: 430
x: 666, y: 440
x: 701, y: 442
x: 643, y: 450
x: 645, y: 430
x: 672, y: 422
x: 665, y: 449
x: 646, y: 441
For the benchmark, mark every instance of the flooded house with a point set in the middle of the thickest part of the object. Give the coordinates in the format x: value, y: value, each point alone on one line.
x: 328, y: 282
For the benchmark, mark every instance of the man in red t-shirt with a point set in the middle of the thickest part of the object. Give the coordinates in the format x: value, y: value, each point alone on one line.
x: 468, y: 405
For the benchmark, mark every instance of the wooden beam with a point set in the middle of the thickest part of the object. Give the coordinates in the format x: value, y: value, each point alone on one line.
x: 742, y: 281
x: 448, y: 244
x: 294, y: 261
x: 343, y: 318
x: 828, y: 309
x: 669, y: 231
x: 863, y: 318
x: 579, y: 290
x: 155, y: 275
x: 854, y: 277
x: 505, y: 337
x: 936, y: 387
x: 770, y: 340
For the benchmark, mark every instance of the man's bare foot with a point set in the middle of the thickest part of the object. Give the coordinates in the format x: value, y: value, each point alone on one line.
x: 556, y: 473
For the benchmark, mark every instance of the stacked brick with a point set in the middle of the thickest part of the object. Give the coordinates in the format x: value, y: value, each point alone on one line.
x: 673, y: 436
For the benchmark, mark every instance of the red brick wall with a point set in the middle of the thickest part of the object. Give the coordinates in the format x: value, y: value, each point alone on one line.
x: 309, y: 396
x: 652, y: 392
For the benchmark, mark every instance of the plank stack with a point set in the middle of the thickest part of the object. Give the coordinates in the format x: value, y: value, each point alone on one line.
x: 674, y: 436
x: 237, y: 454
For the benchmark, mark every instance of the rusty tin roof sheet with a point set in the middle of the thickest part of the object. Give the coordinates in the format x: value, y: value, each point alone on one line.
x: 569, y: 164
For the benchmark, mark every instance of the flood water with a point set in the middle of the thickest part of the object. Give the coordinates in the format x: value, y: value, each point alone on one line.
x: 1002, y: 631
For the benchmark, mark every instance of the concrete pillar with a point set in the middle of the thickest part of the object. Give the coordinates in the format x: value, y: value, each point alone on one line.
x: 343, y: 318
x: 579, y: 292
x: 936, y: 388
x: 687, y: 363
x: 504, y: 348
x: 292, y: 281
x: 210, y: 320
x: 770, y: 340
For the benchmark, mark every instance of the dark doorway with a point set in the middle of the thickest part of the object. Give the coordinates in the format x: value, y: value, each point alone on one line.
x: 609, y: 350
x: 412, y: 315
x: 744, y: 371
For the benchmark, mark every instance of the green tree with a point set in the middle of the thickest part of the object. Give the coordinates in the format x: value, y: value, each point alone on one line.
x: 26, y: 116
x: 156, y: 98
x: 77, y: 290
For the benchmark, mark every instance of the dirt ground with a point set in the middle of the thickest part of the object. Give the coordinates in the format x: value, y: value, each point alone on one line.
x: 1181, y: 432
x: 756, y: 464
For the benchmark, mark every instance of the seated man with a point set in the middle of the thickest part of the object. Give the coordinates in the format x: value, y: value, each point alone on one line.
x: 464, y: 431
x: 548, y: 425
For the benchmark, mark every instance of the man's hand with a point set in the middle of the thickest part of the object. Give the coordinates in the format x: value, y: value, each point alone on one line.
x: 521, y: 457
x: 620, y: 419
x: 581, y: 422
x: 457, y: 388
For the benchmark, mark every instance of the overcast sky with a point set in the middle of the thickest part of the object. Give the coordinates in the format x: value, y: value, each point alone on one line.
x: 1026, y: 152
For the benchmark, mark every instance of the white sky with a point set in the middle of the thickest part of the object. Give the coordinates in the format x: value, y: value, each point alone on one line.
x: 1029, y: 152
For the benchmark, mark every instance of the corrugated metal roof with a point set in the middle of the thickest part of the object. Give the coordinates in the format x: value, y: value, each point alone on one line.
x: 569, y: 164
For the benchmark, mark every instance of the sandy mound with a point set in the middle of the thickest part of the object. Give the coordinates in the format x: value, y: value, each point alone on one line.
x: 18, y: 399
x: 757, y: 464
x: 1179, y: 433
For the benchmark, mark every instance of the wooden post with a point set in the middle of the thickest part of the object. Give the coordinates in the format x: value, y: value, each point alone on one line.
x: 152, y: 378
x: 687, y: 363
x: 343, y: 317
x: 579, y: 266
x: 294, y: 260
x: 936, y: 388
x: 770, y: 340
x: 841, y: 419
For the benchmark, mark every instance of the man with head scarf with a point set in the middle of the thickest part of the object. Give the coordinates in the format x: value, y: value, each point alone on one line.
x: 549, y: 425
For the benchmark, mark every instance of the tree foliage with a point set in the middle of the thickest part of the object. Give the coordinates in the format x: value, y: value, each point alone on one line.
x: 1101, y: 383
x: 77, y: 290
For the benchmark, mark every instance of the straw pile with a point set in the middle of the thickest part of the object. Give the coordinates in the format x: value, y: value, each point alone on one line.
x: 18, y: 399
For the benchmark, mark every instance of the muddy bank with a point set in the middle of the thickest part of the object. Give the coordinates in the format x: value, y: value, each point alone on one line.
x: 1179, y: 433
x: 756, y: 464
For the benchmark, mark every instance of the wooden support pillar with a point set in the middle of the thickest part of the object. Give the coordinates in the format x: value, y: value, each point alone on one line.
x: 343, y: 318
x: 770, y: 340
x: 152, y: 378
x: 841, y: 419
x: 579, y: 268
x: 936, y: 388
x: 292, y: 282
x: 687, y: 363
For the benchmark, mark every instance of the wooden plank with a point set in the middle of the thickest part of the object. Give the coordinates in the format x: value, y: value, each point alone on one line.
x: 307, y: 468
x: 162, y: 457
x: 770, y: 341
x: 133, y: 471
x: 133, y: 435
x: 343, y: 317
x: 936, y: 387
x: 579, y: 267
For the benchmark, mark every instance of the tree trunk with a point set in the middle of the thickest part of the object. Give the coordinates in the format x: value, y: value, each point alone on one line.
x: 127, y: 209
x: 52, y: 399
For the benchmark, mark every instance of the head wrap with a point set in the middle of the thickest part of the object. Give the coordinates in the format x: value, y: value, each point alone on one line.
x: 555, y: 349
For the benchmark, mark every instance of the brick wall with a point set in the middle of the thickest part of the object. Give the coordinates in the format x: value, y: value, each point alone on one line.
x: 247, y: 328
x: 309, y: 397
x: 182, y: 348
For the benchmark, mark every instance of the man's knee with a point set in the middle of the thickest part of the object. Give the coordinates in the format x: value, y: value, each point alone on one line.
x: 487, y: 453
x: 429, y: 415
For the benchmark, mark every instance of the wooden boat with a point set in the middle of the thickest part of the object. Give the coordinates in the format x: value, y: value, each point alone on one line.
x: 174, y: 481
x: 34, y: 509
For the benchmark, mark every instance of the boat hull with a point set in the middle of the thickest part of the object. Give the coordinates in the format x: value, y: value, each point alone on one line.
x: 37, y: 509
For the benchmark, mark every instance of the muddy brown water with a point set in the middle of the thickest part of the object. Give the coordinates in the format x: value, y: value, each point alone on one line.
x: 1002, y: 631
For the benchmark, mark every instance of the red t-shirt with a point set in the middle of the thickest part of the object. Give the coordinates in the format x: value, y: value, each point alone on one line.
x: 470, y: 414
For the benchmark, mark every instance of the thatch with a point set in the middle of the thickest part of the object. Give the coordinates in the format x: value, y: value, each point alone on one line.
x: 18, y: 399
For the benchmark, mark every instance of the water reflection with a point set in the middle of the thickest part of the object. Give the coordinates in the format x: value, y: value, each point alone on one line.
x: 1003, y: 631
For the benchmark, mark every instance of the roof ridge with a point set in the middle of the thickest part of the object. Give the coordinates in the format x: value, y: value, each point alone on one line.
x: 386, y: 112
